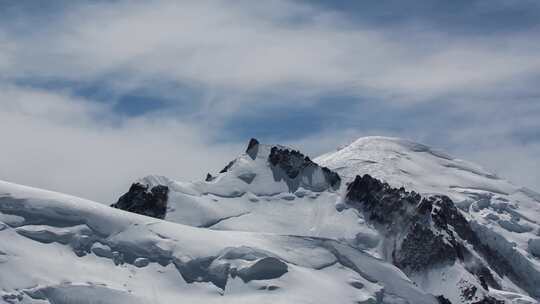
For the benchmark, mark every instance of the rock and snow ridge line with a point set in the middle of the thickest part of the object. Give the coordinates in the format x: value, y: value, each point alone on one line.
x: 267, y: 200
x: 287, y: 165
x: 446, y: 243
x: 119, y: 257
x: 142, y: 200
x: 482, y: 254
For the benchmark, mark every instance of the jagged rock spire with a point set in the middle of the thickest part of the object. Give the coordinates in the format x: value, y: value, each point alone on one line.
x: 142, y: 200
x: 253, y: 148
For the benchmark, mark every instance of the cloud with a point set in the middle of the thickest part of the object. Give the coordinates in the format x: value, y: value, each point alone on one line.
x: 515, y: 161
x: 251, y: 47
x: 94, y: 87
x: 61, y: 143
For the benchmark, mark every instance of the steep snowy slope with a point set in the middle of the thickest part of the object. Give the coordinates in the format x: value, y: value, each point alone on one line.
x: 505, y: 217
x: 60, y: 249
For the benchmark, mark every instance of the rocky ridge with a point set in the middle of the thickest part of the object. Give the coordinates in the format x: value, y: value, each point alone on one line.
x: 142, y: 200
x: 428, y: 232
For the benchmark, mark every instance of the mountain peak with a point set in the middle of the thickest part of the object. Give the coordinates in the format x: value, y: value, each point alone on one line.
x: 416, y: 166
x: 252, y: 148
x: 392, y: 143
x: 270, y: 169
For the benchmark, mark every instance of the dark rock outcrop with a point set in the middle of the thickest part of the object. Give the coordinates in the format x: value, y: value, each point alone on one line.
x: 253, y: 148
x: 291, y: 161
x: 428, y: 231
x: 227, y: 167
x: 139, y: 199
x: 443, y: 300
x: 421, y: 249
x: 291, y: 165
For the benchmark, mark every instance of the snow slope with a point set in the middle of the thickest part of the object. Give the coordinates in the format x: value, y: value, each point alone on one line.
x: 57, y: 248
x: 502, y: 214
x: 264, y: 204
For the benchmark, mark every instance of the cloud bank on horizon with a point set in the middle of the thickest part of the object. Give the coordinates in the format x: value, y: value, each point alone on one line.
x: 94, y: 94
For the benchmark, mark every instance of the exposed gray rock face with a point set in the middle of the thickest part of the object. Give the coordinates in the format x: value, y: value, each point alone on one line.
x: 423, y: 248
x: 288, y: 165
x: 139, y: 199
x: 443, y: 300
x: 253, y: 148
x: 294, y: 167
x: 428, y: 232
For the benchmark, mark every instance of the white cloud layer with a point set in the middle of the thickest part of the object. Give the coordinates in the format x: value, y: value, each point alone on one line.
x: 235, y: 53
x: 252, y: 46
x: 57, y: 142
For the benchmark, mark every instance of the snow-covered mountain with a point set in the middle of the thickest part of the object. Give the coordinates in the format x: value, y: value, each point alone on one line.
x: 382, y: 220
x: 504, y: 217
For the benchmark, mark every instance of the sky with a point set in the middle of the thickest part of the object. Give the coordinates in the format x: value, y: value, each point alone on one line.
x: 95, y: 94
